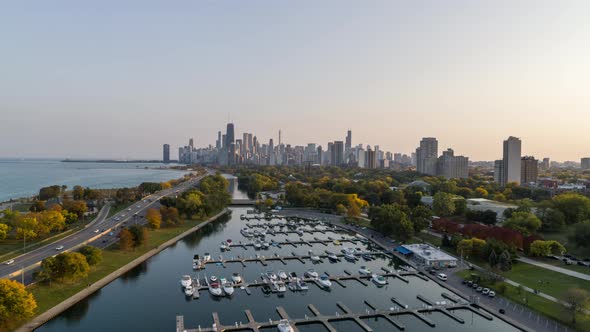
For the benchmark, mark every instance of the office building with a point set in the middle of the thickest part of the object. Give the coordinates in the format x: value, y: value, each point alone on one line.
x: 512, y: 155
x: 529, y: 170
x: 166, y: 154
x: 426, y: 156
x: 585, y: 163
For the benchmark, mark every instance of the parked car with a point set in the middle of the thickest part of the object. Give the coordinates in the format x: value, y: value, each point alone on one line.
x: 96, y: 230
x: 469, y: 283
x: 475, y: 285
x: 464, y: 282
x: 479, y: 289
x: 492, y: 294
x: 442, y: 276
x: 485, y: 291
x: 502, y: 311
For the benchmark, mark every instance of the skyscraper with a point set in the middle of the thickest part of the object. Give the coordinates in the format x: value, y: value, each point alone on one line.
x: 585, y: 163
x: 451, y: 166
x: 512, y: 155
x: 370, y: 158
x: 529, y: 170
x: 348, y: 144
x: 218, y: 142
x: 230, y: 144
x: 337, y: 152
x: 166, y: 154
x: 499, y: 171
x: 426, y: 156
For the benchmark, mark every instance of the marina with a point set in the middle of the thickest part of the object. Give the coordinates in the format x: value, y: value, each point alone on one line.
x: 375, y: 291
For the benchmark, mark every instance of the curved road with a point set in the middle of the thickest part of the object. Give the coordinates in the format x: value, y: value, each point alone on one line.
x: 100, y: 233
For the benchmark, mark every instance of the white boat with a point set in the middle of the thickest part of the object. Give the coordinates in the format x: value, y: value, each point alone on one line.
x: 325, y: 281
x: 186, y: 280
x: 257, y: 244
x: 332, y: 256
x: 350, y: 257
x: 189, y: 290
x: 206, y: 257
x: 302, y: 285
x: 271, y: 275
x: 265, y: 245
x: 311, y: 273
x: 285, y: 326
x: 224, y: 246
x: 379, y: 280
x: 299, y: 232
x: 213, y: 279
x: 280, y: 286
x: 282, y: 274
x: 314, y: 258
x: 365, y: 270
x: 228, y: 288
x: 196, y: 259
x: 236, y: 278
x: 293, y: 276
x: 246, y: 232
x: 215, y: 289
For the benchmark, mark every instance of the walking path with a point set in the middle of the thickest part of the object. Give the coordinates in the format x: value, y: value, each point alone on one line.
x: 555, y: 268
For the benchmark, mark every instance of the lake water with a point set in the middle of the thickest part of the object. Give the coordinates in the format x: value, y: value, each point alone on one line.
x: 149, y: 297
x: 24, y: 178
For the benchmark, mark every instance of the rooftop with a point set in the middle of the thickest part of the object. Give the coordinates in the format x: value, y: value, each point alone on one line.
x: 428, y: 252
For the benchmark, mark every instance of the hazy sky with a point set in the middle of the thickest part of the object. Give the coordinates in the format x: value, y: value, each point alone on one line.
x: 120, y: 78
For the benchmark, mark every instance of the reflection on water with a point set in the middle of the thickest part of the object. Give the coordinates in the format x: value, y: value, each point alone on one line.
x: 149, y: 297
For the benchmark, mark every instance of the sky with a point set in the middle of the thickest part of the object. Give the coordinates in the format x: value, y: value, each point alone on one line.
x: 117, y: 79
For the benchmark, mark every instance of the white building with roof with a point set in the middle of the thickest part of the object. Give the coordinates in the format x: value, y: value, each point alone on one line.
x: 427, y: 255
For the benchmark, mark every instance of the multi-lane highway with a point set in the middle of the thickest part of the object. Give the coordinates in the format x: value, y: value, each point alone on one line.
x: 101, y: 233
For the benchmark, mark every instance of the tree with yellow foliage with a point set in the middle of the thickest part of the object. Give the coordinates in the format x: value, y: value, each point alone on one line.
x: 16, y: 302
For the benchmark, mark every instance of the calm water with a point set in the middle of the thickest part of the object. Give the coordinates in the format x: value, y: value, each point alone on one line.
x: 149, y: 297
x: 23, y: 178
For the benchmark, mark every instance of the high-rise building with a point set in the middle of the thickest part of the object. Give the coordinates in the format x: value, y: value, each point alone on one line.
x: 499, y: 171
x: 545, y: 164
x: 230, y: 144
x: 191, y: 144
x: 348, y: 144
x: 585, y: 163
x: 218, y: 142
x: 426, y: 156
x: 370, y: 158
x: 451, y: 166
x: 337, y: 157
x: 512, y: 155
x: 166, y: 153
x: 529, y: 170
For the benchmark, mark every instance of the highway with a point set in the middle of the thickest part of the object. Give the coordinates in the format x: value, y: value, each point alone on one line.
x: 101, y: 233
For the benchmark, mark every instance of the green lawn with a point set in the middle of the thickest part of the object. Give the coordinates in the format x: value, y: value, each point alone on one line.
x: 561, y: 264
x: 562, y: 237
x: 539, y: 304
x: 549, y: 282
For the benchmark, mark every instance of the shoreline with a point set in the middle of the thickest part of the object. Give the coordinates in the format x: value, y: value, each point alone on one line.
x: 46, y: 316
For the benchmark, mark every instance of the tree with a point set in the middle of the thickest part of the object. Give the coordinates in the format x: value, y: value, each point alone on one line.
x: 4, y: 229
x: 465, y: 247
x: 140, y: 235
x: 170, y: 215
x: 575, y: 207
x: 443, y: 204
x: 390, y: 219
x: 341, y: 209
x: 93, y: 254
x: 126, y: 241
x: 542, y: 248
x: 77, y: 207
x: 578, y: 300
x: 77, y: 192
x: 478, y: 247
x: 505, y: 261
x: 37, y: 206
x: 580, y: 235
x: 524, y: 222
x: 552, y: 220
x: 50, y: 192
x: 16, y: 303
x: 67, y: 266
x: 420, y: 217
x: 481, y: 192
x: 355, y: 205
x: 460, y: 207
x: 154, y: 218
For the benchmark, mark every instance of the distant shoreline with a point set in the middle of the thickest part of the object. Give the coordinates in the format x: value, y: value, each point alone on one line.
x: 113, y: 161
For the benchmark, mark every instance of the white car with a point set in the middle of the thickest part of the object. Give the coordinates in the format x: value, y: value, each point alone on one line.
x: 8, y: 262
x: 129, y: 209
x: 492, y: 293
x: 96, y: 230
x: 442, y: 276
x: 485, y: 291
x: 59, y: 248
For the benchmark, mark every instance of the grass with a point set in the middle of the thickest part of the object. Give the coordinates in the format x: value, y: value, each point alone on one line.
x: 561, y: 264
x: 539, y: 304
x: 428, y: 238
x: 562, y: 237
x: 549, y: 282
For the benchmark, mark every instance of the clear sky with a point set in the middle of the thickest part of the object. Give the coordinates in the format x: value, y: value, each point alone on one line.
x: 120, y: 78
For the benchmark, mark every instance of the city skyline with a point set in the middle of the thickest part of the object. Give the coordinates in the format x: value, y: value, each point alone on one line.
x: 518, y: 69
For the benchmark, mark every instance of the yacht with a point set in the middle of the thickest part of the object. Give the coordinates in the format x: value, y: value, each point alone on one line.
x: 215, y: 289
x: 280, y: 286
x: 350, y: 257
x: 246, y: 232
x: 332, y: 256
x: 213, y: 279
x: 365, y: 271
x: 299, y: 232
x: 265, y: 245
x: 311, y: 273
x: 314, y: 258
x: 257, y: 244
x: 379, y: 280
x: 337, y: 243
x: 271, y: 275
x: 366, y: 256
x: 293, y: 276
x: 325, y: 281
x: 228, y: 288
x: 186, y: 281
x: 236, y: 278
x: 196, y: 259
x: 282, y: 275
x: 189, y: 290
x: 302, y: 285
x: 285, y: 326
x: 206, y: 257
x: 224, y: 246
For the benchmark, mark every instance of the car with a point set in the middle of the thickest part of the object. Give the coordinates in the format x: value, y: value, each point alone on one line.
x: 502, y: 311
x: 96, y: 230
x: 433, y: 272
x: 8, y: 262
x: 129, y: 209
x: 464, y: 282
x: 59, y: 248
x: 474, y: 285
x: 469, y: 283
x: 104, y: 241
x: 479, y: 289
x: 492, y: 293
x: 138, y: 206
x: 442, y: 276
x: 485, y: 291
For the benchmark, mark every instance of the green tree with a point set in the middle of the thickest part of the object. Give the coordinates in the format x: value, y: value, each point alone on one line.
x: 77, y: 207
x: 93, y: 254
x: 552, y: 220
x: 443, y: 204
x: 542, y: 248
x: 580, y: 235
x: 460, y: 207
x: 65, y: 267
x: 525, y: 222
x: 50, y: 192
x: 140, y: 235
x: 575, y: 207
x: 391, y: 219
x: 16, y: 303
x: 4, y: 229
x: 420, y: 217
x: 78, y: 192
x: 577, y: 300
x: 465, y: 247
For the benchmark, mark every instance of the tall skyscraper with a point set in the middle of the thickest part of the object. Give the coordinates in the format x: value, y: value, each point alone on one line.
x: 348, y: 144
x: 191, y: 144
x: 166, y: 154
x: 585, y: 163
x: 512, y: 155
x: 529, y: 170
x: 337, y: 152
x: 230, y: 144
x: 426, y: 156
x: 370, y: 158
x: 218, y: 142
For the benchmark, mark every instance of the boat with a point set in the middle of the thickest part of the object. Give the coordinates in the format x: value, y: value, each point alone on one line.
x: 189, y: 290
x: 299, y: 232
x: 246, y: 232
x: 337, y: 243
x: 379, y: 280
x: 206, y: 257
x: 293, y: 275
x: 213, y: 279
x: 186, y: 280
x: 332, y: 256
x: 365, y: 270
x: 265, y: 245
x: 366, y: 256
x: 302, y: 285
x: 196, y: 259
x: 271, y: 275
x: 228, y: 288
x: 242, y: 217
x: 280, y: 286
x: 224, y: 246
x: 325, y: 281
x: 314, y: 258
x: 257, y: 244
x: 282, y: 275
x: 285, y: 326
x: 311, y: 273
x: 236, y: 278
x: 215, y: 289
x: 349, y: 257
